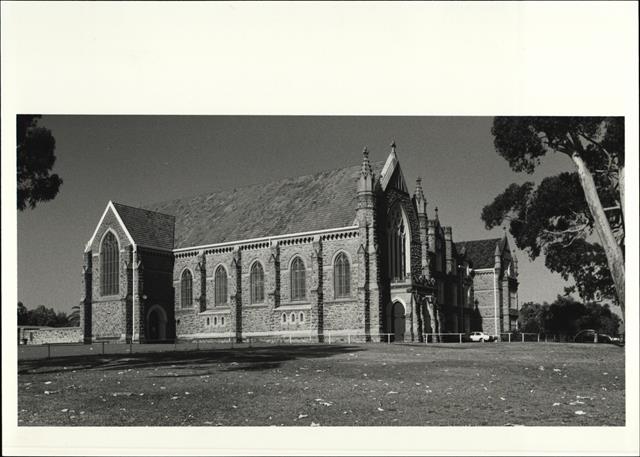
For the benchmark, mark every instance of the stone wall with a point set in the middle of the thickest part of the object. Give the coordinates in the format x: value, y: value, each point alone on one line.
x: 483, y: 287
x: 50, y: 335
x: 278, y: 313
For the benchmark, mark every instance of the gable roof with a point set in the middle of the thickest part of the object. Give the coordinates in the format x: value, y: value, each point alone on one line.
x: 147, y: 228
x: 391, y: 173
x: 481, y: 253
x: 292, y: 205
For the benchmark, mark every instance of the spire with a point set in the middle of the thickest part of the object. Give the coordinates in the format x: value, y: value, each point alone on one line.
x: 393, y: 147
x: 366, y: 165
x: 497, y: 256
x: 437, y: 214
x: 421, y: 202
x: 365, y: 183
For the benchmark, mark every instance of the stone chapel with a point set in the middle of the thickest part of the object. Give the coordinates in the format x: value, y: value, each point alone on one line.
x: 348, y: 251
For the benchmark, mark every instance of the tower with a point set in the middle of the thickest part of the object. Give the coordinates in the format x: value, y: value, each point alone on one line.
x: 368, y: 291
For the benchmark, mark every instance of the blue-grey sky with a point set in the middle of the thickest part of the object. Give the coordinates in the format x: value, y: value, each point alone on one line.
x: 143, y: 159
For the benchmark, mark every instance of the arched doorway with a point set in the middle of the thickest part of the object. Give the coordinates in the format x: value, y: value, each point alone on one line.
x: 156, y: 324
x: 398, y: 322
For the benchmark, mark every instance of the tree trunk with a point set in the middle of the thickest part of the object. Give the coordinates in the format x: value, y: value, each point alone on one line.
x: 615, y: 258
x: 621, y: 189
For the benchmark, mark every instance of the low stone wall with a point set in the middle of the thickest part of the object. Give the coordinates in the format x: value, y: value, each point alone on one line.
x: 50, y: 335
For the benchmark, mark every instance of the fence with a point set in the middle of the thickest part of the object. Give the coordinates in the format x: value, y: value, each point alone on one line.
x: 513, y: 337
x: 49, y: 350
x: 29, y: 352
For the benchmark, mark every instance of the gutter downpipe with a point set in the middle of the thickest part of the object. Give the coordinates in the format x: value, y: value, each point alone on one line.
x: 495, y: 303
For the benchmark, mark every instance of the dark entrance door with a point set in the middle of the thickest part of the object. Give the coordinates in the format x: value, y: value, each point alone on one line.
x: 398, y: 322
x: 154, y: 325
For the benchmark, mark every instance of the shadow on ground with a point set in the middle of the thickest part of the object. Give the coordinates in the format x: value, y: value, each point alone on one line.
x: 238, y: 359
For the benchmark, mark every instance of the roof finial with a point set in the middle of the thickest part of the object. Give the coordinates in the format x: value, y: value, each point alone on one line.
x: 366, y: 165
x: 421, y: 202
x: 419, y: 193
x: 393, y: 146
x: 436, y: 212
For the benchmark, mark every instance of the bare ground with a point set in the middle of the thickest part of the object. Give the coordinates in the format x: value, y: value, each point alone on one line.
x: 301, y: 385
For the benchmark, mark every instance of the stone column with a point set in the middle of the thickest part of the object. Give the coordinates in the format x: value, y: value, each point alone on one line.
x: 127, y: 299
x: 506, y: 304
x: 138, y: 301
x: 235, y: 287
x: 201, y: 271
x: 316, y: 289
x: 87, y: 299
x: 272, y: 282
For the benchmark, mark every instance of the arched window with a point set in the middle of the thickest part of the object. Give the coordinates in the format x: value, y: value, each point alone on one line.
x: 109, y: 265
x: 186, y: 289
x: 397, y: 245
x: 298, y: 284
x: 256, y: 281
x: 220, y: 286
x: 341, y: 276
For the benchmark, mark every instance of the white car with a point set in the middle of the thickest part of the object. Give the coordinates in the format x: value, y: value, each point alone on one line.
x: 480, y: 336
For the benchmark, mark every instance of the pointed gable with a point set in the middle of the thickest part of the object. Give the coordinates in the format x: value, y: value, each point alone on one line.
x: 391, y: 175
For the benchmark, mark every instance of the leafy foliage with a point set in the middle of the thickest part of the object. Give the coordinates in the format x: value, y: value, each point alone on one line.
x: 554, y: 218
x: 74, y: 317
x: 35, y: 159
x: 523, y: 141
x: 46, y: 317
x: 566, y: 316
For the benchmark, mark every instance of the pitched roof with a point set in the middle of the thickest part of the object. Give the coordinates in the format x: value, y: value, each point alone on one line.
x: 481, y: 253
x: 299, y: 204
x: 147, y: 228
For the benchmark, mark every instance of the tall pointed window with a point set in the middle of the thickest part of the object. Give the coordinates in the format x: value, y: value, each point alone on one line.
x: 109, y: 265
x: 341, y: 276
x: 186, y: 289
x: 397, y: 245
x: 256, y: 281
x: 220, y: 286
x: 298, y: 284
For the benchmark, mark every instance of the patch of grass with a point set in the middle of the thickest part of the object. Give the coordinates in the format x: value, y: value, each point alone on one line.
x: 302, y: 385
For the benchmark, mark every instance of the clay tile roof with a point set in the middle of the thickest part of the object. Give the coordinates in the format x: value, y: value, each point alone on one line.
x: 299, y: 204
x: 480, y: 253
x: 148, y: 228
